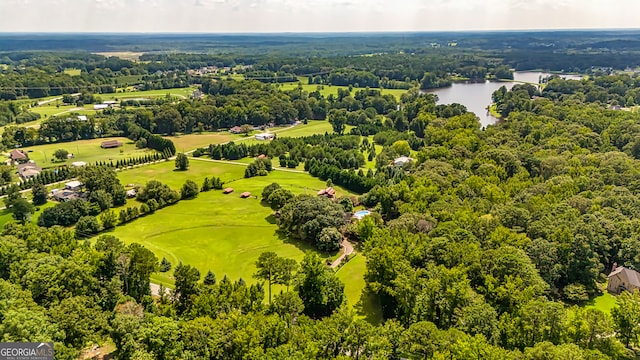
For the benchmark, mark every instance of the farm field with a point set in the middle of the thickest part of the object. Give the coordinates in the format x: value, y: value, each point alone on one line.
x: 220, y: 232
x: 327, y: 90
x: 85, y: 150
x: 179, y: 92
x: 189, y: 142
x: 58, y: 108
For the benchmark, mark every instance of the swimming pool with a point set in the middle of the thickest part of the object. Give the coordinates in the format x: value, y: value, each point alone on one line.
x: 360, y: 214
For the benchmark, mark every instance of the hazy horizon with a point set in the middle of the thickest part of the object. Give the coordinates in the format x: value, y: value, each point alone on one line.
x: 312, y: 16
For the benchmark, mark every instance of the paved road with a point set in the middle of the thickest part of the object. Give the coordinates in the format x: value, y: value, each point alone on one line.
x: 347, y: 249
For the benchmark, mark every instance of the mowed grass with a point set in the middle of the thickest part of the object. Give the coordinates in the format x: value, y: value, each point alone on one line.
x: 6, y: 216
x: 166, y: 173
x: 215, y: 231
x: 190, y: 142
x: 365, y: 303
x: 352, y: 273
x: 604, y: 302
x: 327, y: 90
x: 179, y: 92
x: 85, y: 150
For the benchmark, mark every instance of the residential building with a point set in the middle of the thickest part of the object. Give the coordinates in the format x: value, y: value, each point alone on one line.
x: 110, y: 144
x: 235, y: 130
x: 328, y: 193
x: 28, y: 170
x: 622, y: 279
x: 18, y: 156
x: 73, y: 185
x: 402, y: 161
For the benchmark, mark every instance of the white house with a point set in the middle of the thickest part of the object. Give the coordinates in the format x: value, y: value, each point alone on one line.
x: 265, y: 136
x: 402, y: 161
x: 82, y: 118
x: 73, y: 185
x: 100, y: 106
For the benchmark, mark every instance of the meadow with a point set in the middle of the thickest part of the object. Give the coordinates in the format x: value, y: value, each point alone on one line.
x: 327, y: 90
x: 84, y: 150
x: 215, y: 231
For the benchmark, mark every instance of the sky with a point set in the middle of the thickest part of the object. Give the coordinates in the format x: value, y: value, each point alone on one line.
x: 232, y: 16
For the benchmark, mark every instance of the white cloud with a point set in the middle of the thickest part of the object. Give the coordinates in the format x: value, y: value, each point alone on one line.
x: 312, y: 15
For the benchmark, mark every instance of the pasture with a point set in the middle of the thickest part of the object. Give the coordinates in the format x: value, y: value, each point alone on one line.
x: 327, y: 90
x: 215, y: 231
x: 84, y: 150
x: 182, y: 93
x: 189, y: 142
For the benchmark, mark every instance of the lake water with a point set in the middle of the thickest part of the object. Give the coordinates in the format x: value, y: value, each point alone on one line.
x: 477, y: 96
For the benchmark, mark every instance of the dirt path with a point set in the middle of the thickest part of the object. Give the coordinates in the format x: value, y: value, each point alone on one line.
x: 155, y: 289
x: 347, y: 249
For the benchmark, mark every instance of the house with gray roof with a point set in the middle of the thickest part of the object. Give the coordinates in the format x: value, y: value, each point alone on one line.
x: 623, y: 279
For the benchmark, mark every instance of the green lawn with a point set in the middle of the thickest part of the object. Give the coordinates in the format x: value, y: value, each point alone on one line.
x: 190, y: 142
x: 57, y: 108
x: 604, y: 302
x: 327, y: 90
x: 180, y: 92
x: 220, y: 232
x: 6, y: 215
x: 352, y: 275
x: 166, y: 173
x: 85, y: 150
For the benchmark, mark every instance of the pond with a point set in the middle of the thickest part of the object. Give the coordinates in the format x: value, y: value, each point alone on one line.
x: 477, y: 96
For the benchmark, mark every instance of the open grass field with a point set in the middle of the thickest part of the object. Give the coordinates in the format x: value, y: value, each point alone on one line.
x: 220, y: 232
x: 58, y: 109
x: 190, y: 142
x: 125, y: 55
x: 327, y: 90
x: 84, y: 150
x: 604, y: 302
x: 6, y: 216
x: 72, y: 72
x: 180, y: 92
x: 352, y: 275
x: 166, y: 173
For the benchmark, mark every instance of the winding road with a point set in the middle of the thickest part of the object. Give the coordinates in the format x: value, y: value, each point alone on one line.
x: 347, y: 249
